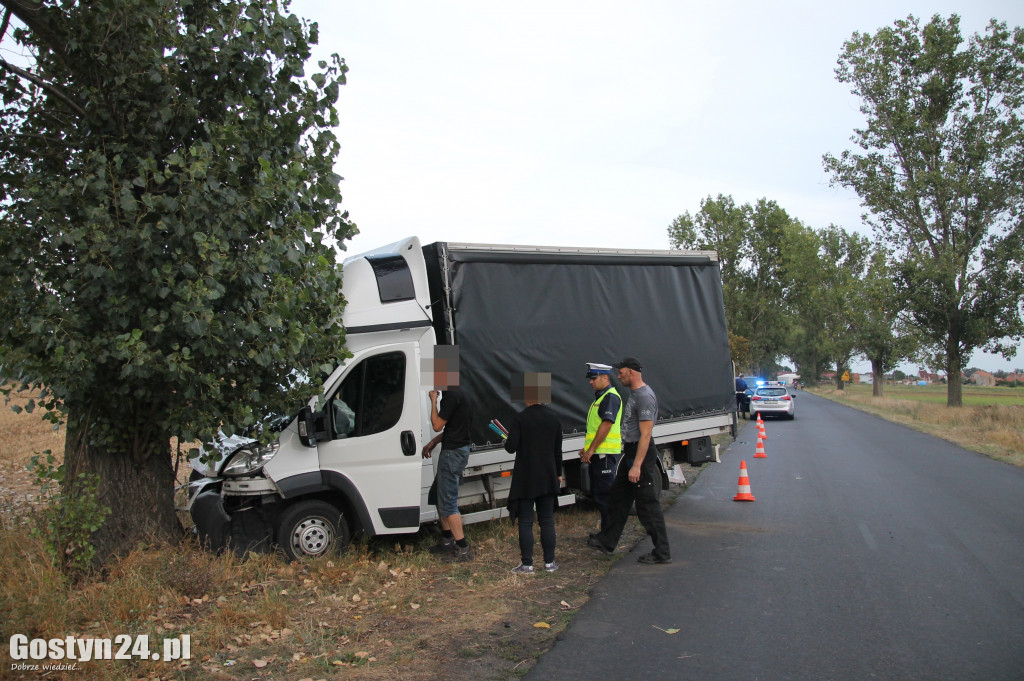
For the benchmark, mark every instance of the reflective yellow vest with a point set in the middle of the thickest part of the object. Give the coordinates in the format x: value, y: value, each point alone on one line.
x: 612, y: 443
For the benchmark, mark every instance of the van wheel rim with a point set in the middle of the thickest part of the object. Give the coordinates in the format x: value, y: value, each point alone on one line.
x: 312, y: 537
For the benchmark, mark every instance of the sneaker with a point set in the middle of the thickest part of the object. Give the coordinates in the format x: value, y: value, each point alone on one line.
x: 523, y: 569
x: 551, y: 567
x: 651, y: 559
x: 443, y: 547
x: 594, y: 543
x: 461, y: 554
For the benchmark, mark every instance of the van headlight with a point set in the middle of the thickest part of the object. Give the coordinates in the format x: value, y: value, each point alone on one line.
x: 250, y: 459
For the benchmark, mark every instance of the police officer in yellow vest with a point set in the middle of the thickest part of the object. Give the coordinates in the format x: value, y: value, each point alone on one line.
x: 604, y: 439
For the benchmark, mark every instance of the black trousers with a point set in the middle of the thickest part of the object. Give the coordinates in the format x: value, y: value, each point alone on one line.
x: 545, y: 518
x: 644, y: 494
x: 742, y: 403
x: 602, y: 477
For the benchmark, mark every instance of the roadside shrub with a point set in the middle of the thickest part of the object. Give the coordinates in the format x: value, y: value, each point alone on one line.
x: 67, y: 522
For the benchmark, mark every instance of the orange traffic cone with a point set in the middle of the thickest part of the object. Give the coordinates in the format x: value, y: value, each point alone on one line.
x: 759, y: 450
x: 743, y: 493
x: 760, y: 428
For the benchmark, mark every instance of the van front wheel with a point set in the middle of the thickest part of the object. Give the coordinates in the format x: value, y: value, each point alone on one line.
x: 310, y: 529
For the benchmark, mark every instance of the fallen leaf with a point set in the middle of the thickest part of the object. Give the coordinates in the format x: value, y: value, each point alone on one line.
x: 541, y: 625
x: 667, y: 631
x: 566, y: 605
x: 414, y: 606
x: 260, y: 663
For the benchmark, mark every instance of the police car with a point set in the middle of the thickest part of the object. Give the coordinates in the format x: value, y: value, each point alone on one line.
x: 772, y: 398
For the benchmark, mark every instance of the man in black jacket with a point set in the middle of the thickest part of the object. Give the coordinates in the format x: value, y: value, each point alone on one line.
x: 535, y: 436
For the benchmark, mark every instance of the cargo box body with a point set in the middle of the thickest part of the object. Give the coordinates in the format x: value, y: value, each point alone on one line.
x: 527, y: 309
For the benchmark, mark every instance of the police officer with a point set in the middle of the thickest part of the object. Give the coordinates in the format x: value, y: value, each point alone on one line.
x: 742, y: 402
x: 638, y: 477
x: 603, y: 444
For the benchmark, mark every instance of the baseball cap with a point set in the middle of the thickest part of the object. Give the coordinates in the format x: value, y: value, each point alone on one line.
x: 629, y: 363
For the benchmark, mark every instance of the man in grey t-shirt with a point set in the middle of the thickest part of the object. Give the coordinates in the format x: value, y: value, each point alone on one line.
x: 638, y: 478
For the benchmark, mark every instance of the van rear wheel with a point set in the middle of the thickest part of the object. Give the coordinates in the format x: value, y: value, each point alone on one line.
x: 310, y: 529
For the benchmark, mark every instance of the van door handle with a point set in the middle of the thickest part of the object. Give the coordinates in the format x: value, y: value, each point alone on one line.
x: 408, y: 443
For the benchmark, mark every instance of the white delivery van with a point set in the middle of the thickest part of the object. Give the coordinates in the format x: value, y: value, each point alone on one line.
x: 350, y: 461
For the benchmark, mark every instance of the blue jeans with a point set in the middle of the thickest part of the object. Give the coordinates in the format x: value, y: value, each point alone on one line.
x: 546, y: 520
x: 449, y: 474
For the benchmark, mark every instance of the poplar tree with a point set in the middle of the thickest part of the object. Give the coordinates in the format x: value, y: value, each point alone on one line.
x: 169, y: 219
x: 939, y: 168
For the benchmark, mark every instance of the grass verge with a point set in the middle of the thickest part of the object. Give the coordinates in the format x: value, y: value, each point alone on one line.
x: 386, y: 609
x: 991, y: 422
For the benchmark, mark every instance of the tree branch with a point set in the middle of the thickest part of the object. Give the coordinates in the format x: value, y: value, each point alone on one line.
x: 56, y: 92
x: 6, y: 22
x: 37, y: 19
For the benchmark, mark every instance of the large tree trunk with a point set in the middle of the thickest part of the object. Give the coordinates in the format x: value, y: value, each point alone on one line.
x: 136, y: 482
x: 954, y: 386
x: 954, y: 366
x: 877, y: 376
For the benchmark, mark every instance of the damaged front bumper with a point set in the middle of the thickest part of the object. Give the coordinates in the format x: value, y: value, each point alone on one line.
x: 235, y: 513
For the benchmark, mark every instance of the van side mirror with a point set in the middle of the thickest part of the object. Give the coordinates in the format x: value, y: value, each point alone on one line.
x: 307, y: 427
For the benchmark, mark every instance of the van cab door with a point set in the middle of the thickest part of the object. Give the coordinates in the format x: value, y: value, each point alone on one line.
x: 373, y: 430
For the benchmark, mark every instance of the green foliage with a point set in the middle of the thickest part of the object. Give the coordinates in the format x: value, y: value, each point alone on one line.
x: 169, y: 215
x: 68, y: 521
x: 882, y: 332
x: 942, y: 178
x: 751, y: 242
x: 817, y: 296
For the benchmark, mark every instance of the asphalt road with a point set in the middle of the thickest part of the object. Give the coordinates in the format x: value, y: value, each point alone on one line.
x: 871, y: 552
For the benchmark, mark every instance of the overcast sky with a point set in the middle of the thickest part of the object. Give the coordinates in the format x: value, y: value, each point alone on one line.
x: 596, y: 123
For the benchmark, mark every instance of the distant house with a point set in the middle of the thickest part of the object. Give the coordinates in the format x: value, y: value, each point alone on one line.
x: 1013, y: 379
x: 864, y: 378
x: 983, y: 378
x: 923, y: 376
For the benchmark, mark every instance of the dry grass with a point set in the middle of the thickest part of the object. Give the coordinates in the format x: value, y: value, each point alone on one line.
x: 386, y: 609
x: 995, y: 429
